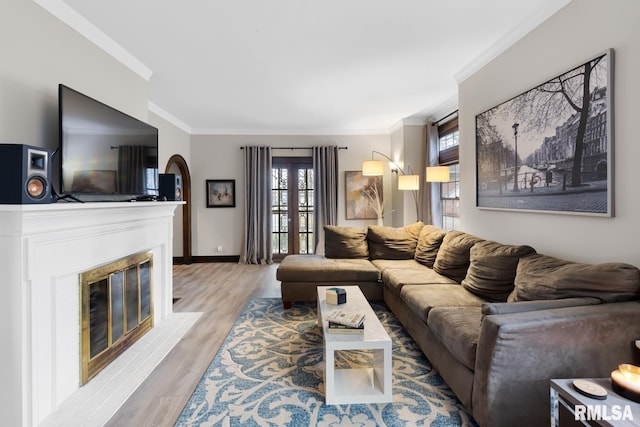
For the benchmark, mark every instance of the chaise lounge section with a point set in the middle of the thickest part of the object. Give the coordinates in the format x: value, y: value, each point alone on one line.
x: 497, y: 321
x: 301, y: 274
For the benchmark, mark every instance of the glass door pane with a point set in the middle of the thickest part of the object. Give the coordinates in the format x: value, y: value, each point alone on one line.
x: 292, y: 206
x: 279, y: 210
x: 305, y: 210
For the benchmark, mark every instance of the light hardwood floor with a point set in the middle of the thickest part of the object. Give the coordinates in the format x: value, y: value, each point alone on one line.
x: 218, y: 290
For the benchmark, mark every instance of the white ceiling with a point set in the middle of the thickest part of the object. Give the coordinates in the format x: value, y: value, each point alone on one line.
x: 309, y: 67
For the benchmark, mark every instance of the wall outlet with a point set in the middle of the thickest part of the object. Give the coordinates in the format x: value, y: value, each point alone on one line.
x: 219, y: 248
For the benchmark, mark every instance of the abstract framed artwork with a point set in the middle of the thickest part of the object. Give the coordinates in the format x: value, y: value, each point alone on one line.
x: 364, y: 199
x: 221, y: 193
x: 550, y: 148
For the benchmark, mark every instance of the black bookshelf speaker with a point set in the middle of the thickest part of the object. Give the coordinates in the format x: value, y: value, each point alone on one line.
x: 170, y: 186
x: 25, y: 174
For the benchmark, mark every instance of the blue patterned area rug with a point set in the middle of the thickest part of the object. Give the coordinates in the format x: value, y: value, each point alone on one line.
x: 269, y: 372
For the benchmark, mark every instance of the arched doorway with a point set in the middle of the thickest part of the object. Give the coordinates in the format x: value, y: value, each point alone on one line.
x: 177, y: 164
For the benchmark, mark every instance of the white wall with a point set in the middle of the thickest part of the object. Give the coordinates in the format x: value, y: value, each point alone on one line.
x: 414, y: 141
x: 407, y: 142
x: 397, y: 154
x: 220, y: 157
x: 172, y: 140
x: 578, y: 32
x: 38, y: 53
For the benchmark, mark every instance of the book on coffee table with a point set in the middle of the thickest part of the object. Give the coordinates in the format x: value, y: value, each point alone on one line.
x: 347, y: 318
x: 337, y: 328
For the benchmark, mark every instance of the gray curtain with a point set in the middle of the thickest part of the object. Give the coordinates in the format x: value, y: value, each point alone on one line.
x: 256, y: 241
x: 430, y: 207
x: 132, y: 163
x: 325, y: 199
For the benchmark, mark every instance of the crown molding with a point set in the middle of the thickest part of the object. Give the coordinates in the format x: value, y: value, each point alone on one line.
x: 447, y: 107
x: 79, y: 23
x: 399, y: 124
x: 290, y: 132
x: 414, y: 121
x: 517, y: 32
x: 407, y: 121
x: 155, y: 109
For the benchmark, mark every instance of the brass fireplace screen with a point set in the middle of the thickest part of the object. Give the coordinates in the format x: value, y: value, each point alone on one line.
x: 116, y: 310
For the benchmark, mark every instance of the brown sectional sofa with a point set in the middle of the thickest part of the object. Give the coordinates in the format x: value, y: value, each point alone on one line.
x: 497, y: 321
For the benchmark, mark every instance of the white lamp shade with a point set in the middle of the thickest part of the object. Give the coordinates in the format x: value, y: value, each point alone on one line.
x: 408, y: 182
x: 372, y: 168
x: 438, y: 174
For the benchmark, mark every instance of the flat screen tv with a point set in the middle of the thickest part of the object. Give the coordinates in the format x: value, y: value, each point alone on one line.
x: 106, y: 154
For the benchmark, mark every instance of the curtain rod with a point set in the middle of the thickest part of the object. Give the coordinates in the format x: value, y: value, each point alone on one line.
x: 298, y: 148
x: 445, y: 117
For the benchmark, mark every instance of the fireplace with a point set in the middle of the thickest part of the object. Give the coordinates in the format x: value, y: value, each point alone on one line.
x: 116, y: 307
x: 45, y: 248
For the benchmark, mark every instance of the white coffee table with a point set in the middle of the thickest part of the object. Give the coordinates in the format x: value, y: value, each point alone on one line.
x: 358, y: 385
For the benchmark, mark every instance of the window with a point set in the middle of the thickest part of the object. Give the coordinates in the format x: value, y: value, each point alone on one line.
x: 450, y: 200
x: 448, y: 154
x: 292, y: 206
x: 448, y: 141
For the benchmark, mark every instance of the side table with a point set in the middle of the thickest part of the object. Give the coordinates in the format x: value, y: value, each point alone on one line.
x: 571, y: 408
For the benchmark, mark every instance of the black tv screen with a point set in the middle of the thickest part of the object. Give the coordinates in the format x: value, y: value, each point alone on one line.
x: 107, y: 155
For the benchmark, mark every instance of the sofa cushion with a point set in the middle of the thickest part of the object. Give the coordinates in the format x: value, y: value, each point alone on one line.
x: 421, y: 299
x: 345, y: 242
x: 395, y: 278
x: 393, y: 243
x: 453, y: 256
x: 316, y: 268
x: 542, y: 277
x: 429, y: 242
x: 385, y: 264
x: 458, y: 329
x: 492, y: 269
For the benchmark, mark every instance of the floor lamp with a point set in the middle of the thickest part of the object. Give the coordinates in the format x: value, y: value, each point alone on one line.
x: 406, y: 182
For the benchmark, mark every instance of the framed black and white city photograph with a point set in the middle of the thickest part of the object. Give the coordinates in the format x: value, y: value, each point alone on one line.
x: 221, y: 193
x: 551, y: 148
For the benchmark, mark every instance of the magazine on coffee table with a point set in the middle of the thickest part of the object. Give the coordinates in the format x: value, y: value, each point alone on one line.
x: 347, y: 318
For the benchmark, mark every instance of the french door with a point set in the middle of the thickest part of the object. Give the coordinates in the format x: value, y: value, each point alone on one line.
x: 292, y: 214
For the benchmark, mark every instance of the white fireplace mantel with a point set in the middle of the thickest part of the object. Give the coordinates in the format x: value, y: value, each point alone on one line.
x: 43, y: 248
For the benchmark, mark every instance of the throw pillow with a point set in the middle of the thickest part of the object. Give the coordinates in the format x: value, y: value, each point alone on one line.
x: 393, y: 243
x: 542, y: 277
x: 452, y: 260
x: 345, y: 242
x: 492, y: 269
x: 429, y: 242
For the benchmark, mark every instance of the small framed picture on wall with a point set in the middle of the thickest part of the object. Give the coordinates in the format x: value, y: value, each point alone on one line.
x: 221, y: 193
